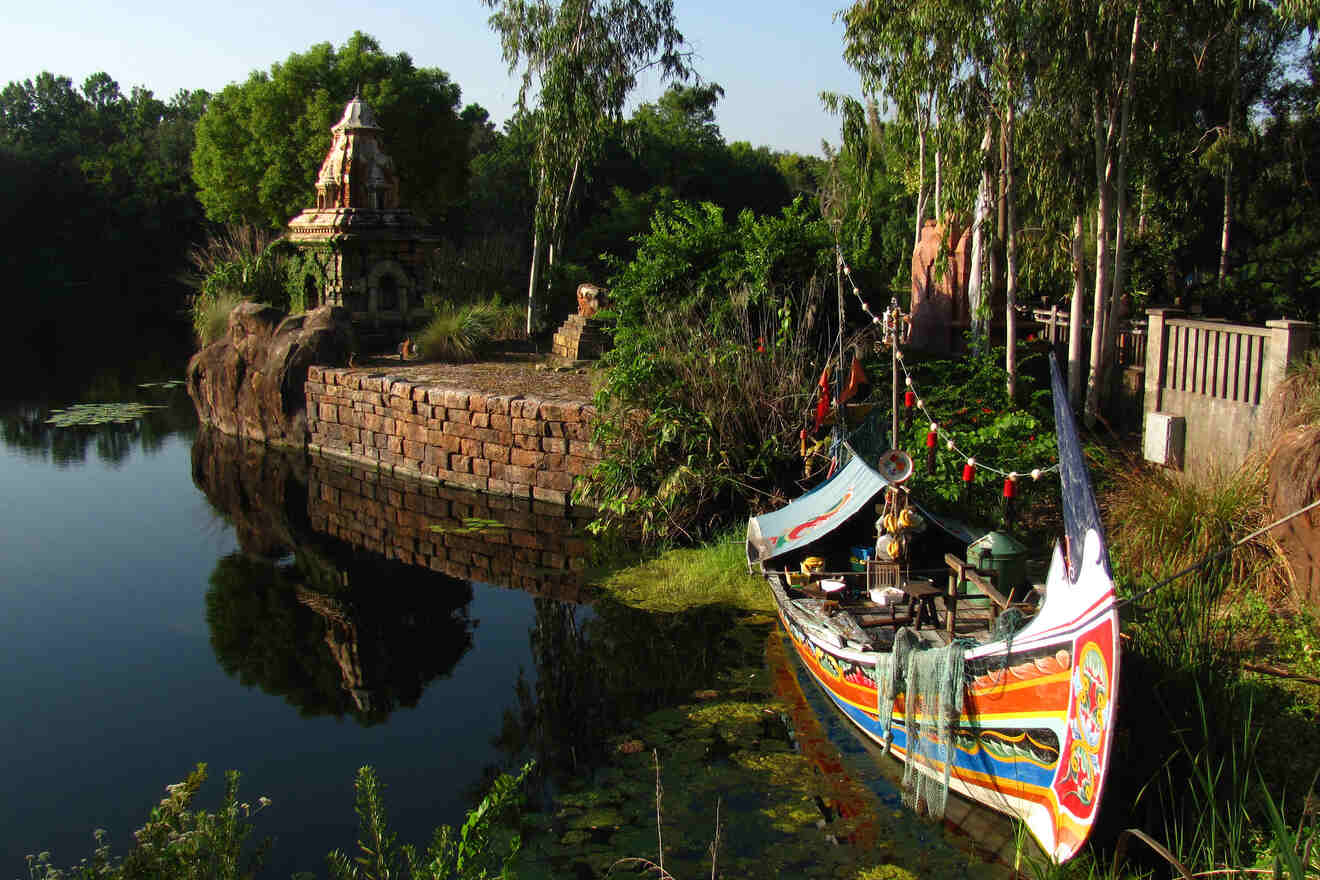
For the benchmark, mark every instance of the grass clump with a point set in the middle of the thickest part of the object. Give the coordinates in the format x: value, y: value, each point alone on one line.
x: 238, y: 264
x: 459, y: 334
x: 680, y: 578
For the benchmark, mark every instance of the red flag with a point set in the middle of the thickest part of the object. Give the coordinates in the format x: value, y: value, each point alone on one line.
x: 857, y: 385
x: 823, y: 403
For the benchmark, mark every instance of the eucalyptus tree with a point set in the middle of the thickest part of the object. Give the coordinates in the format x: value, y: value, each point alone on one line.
x: 580, y: 60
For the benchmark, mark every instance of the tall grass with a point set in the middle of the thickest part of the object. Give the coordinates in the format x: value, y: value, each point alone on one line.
x: 237, y: 264
x: 460, y: 333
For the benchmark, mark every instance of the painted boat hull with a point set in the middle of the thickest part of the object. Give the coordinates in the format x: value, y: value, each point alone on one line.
x: 1035, y: 737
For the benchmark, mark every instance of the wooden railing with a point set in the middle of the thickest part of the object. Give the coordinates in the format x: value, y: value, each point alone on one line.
x: 1052, y: 326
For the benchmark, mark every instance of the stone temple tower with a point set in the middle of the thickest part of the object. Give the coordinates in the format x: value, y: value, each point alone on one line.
x: 368, y: 254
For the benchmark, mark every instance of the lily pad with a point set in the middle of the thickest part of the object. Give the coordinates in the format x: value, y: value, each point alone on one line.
x: 167, y: 384
x: 89, y: 414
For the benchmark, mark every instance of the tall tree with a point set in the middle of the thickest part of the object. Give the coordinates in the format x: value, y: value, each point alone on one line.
x: 580, y: 60
x: 260, y: 143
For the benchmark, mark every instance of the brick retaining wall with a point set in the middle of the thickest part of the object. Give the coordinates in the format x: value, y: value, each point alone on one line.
x: 536, y: 547
x: 504, y: 444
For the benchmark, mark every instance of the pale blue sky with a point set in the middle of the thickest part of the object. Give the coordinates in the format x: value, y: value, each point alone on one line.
x: 773, y: 59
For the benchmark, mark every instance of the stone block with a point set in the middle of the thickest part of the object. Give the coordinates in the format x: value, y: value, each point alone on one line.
x: 526, y: 441
x: 554, y: 444
x: 554, y: 496
x: 532, y: 427
x: 414, y: 450
x: 480, y: 420
x: 527, y: 458
x: 457, y: 399
x: 327, y: 412
x: 496, y: 452
x: 554, y: 480
x: 470, y: 447
x: 500, y: 422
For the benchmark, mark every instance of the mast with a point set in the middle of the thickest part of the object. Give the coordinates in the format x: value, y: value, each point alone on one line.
x: 891, y: 327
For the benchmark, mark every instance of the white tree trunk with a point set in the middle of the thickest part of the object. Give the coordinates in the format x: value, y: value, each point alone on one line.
x: 1077, y: 314
x: 1010, y: 257
x: 921, y: 183
x: 533, y: 276
x: 974, y: 294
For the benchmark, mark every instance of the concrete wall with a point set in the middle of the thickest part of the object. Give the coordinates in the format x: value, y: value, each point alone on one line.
x: 504, y: 444
x: 1216, y: 376
x: 537, y: 547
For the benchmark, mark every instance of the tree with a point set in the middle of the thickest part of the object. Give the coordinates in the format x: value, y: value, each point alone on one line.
x: 580, y: 60
x: 260, y: 143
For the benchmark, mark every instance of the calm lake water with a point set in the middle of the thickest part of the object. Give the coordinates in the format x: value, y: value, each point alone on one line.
x: 169, y: 596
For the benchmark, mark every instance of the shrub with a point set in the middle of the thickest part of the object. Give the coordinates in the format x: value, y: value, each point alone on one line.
x: 459, y: 333
x: 242, y: 263
x: 211, y: 316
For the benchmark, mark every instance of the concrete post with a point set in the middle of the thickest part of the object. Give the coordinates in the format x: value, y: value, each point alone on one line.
x: 1155, y: 340
x: 1288, y: 340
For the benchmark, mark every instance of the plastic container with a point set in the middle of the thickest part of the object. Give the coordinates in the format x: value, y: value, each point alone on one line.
x: 860, y: 555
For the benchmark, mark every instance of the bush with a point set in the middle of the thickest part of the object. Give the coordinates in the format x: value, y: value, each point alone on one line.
x: 716, y: 343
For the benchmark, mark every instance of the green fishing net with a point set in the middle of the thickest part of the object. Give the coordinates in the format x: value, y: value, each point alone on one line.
x: 932, y: 680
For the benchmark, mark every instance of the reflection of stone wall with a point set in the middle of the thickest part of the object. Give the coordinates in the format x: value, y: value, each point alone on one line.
x: 535, y: 547
x: 499, y: 443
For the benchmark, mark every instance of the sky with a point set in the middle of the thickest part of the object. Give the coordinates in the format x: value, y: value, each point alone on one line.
x: 772, y: 58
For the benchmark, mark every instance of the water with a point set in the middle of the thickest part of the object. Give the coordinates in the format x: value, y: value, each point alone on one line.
x: 142, y: 639
x: 171, y: 596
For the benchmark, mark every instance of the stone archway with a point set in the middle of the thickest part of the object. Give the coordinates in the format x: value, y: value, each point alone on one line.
x: 388, y: 289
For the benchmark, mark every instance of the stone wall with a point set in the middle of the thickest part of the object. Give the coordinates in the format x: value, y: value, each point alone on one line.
x: 524, y: 544
x: 503, y: 444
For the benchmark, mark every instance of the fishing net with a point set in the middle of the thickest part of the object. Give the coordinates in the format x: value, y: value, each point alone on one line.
x: 889, y: 672
x: 934, y: 702
x: 932, y: 680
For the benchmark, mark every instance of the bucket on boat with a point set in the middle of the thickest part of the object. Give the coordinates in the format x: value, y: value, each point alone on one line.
x: 1002, y: 554
x: 859, y: 557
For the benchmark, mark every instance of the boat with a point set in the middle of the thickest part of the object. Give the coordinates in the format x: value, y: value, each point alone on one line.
x: 1007, y: 698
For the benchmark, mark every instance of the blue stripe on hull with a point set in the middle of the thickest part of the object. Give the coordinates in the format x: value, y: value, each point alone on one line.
x: 980, y: 761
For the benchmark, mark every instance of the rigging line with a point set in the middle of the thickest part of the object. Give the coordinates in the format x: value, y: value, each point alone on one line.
x: 1220, y: 554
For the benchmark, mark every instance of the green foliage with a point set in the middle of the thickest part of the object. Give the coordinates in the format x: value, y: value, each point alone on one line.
x: 242, y: 264
x: 181, y: 843
x: 177, y: 841
x: 967, y: 398
x: 477, y: 851
x: 703, y: 395
x: 680, y: 578
x: 260, y: 143
x: 460, y: 333
x: 94, y: 185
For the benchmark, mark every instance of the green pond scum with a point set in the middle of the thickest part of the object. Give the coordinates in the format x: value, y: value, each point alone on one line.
x: 727, y: 754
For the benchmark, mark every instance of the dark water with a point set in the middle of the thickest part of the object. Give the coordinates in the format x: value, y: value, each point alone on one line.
x: 173, y: 596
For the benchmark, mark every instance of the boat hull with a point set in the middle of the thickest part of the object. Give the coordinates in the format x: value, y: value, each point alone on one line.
x: 1034, y: 736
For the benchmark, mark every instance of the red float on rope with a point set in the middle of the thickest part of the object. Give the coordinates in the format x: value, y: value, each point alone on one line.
x: 969, y: 470
x: 909, y: 398
x: 1010, y: 487
x: 930, y: 440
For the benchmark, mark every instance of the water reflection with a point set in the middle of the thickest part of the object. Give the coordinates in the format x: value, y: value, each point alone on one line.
x: 83, y: 375
x: 331, y: 629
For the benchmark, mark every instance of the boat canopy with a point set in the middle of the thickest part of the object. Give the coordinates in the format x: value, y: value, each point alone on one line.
x: 816, y: 514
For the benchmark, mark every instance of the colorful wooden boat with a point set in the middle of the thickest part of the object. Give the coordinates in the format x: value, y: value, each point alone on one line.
x: 1033, y: 736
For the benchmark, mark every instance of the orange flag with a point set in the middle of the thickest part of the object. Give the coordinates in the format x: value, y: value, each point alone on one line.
x: 823, y: 402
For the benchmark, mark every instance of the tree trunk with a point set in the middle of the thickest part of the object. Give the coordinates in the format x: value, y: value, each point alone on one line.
x: 1228, y: 166
x: 1110, y: 355
x: 1001, y: 220
x: 921, y: 182
x: 1077, y: 314
x: 939, y: 214
x: 1009, y: 215
x: 1100, y: 305
x: 974, y: 295
x: 533, y: 276
x: 1109, y: 160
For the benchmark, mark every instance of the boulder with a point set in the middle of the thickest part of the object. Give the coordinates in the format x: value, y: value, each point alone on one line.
x: 250, y: 383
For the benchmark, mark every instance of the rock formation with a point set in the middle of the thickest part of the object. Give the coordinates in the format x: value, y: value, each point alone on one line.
x: 250, y: 383
x: 939, y: 293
